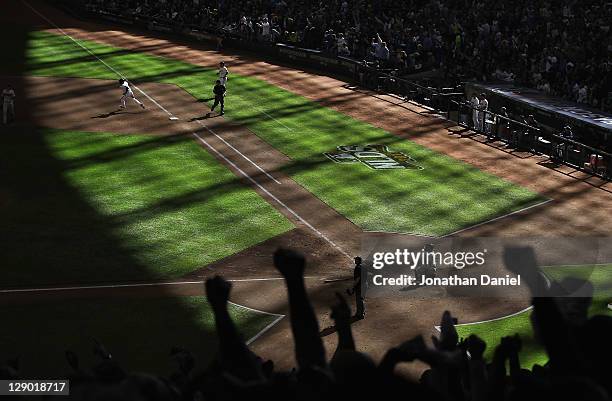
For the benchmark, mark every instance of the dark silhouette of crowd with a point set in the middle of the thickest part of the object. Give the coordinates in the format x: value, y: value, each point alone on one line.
x: 578, y: 347
x: 563, y: 48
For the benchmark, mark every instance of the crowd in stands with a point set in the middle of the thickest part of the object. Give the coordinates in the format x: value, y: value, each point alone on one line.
x: 563, y: 48
x: 578, y: 347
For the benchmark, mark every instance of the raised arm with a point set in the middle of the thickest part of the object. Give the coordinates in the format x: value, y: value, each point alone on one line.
x: 309, y: 349
x: 341, y: 313
x: 477, y: 368
x: 554, y: 332
x: 236, y: 357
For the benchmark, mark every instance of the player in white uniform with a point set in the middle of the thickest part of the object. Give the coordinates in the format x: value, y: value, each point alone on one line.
x: 127, y: 93
x: 483, y: 107
x: 475, y: 115
x: 223, y: 73
x: 8, y: 104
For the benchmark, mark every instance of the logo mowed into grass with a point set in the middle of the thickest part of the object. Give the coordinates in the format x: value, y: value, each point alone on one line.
x: 377, y: 157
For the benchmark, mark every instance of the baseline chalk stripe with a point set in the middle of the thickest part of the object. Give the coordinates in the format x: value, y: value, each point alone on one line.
x: 264, y: 330
x: 492, y: 320
x: 482, y: 223
x: 135, y: 285
x: 239, y: 152
x: 266, y: 114
x: 120, y: 75
x: 280, y: 202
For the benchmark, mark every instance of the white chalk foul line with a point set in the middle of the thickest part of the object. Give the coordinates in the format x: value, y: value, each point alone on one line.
x: 239, y: 152
x: 277, y: 121
x: 170, y: 115
x: 491, y: 320
x: 277, y: 319
x: 466, y: 228
x: 400, y: 233
x: 264, y: 330
x: 280, y: 202
x: 277, y: 316
x: 267, y: 114
x: 498, y: 218
x: 135, y: 285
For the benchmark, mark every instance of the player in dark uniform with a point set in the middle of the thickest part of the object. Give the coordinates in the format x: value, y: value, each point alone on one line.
x: 427, y: 269
x: 219, y: 91
x: 358, y: 290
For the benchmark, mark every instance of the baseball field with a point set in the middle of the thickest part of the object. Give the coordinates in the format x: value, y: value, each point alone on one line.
x: 112, y: 218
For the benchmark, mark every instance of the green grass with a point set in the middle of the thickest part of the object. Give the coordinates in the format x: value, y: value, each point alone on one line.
x: 97, y: 207
x: 532, y: 353
x: 139, y: 332
x: 446, y: 196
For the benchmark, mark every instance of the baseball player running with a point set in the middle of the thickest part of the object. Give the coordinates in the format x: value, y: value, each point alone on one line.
x: 127, y: 93
x: 8, y: 104
x: 223, y: 73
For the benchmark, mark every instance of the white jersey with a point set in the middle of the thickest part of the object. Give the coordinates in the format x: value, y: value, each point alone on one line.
x: 223, y: 73
x: 475, y: 102
x: 8, y: 95
x: 484, y: 105
x: 127, y: 91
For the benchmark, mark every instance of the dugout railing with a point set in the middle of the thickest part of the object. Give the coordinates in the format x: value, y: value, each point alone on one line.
x: 438, y: 99
x: 450, y: 103
x: 524, y: 137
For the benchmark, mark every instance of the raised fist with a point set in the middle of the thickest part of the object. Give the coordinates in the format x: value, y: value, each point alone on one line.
x: 412, y: 349
x: 448, y: 334
x: 289, y: 263
x: 217, y: 291
x: 511, y: 344
x: 341, y: 312
x: 475, y: 346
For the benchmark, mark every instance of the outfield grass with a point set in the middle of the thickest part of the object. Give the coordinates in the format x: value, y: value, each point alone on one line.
x: 99, y: 207
x: 139, y: 332
x: 444, y: 197
x: 532, y: 353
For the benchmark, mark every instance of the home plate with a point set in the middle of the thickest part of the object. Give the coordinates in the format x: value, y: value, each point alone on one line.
x: 173, y: 118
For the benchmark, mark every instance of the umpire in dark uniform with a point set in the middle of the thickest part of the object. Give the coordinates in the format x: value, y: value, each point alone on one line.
x: 219, y: 91
x: 358, y: 290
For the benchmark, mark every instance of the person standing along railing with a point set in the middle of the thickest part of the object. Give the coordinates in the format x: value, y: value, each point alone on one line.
x: 8, y: 105
x: 475, y: 103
